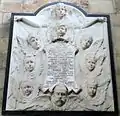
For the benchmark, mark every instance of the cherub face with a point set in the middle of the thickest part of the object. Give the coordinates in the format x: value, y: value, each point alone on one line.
x: 90, y: 63
x: 86, y: 42
x: 61, y: 30
x: 29, y: 63
x: 61, y: 11
x: 34, y: 42
x: 59, y: 96
x: 26, y: 88
x: 91, y: 89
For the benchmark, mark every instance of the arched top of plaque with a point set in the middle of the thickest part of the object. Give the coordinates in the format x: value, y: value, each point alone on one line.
x: 67, y: 4
x: 58, y: 12
x: 54, y: 14
x: 69, y: 7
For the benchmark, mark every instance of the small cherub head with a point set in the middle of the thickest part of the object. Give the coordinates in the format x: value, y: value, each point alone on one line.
x: 86, y: 42
x: 90, y: 61
x: 26, y: 88
x: 34, y: 41
x: 29, y: 62
x: 61, y: 30
x: 60, y: 11
x: 59, y: 95
x: 92, y: 86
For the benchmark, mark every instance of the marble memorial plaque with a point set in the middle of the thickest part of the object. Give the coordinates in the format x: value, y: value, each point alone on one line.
x: 60, y: 59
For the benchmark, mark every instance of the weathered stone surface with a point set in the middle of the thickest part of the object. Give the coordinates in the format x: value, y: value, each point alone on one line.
x: 2, y: 60
x: 11, y: 7
x: 117, y: 4
x: 115, y: 19
x: 11, y: 1
x: 3, y: 52
x: 1, y: 18
x: 118, y: 80
x: 4, y: 30
x: 3, y: 44
x: 116, y: 38
x: 99, y: 6
x: 118, y: 64
x: 32, y: 6
x: 6, y: 18
x: 1, y: 96
x: 118, y: 91
x: 2, y: 77
x: 34, y: 1
x: 82, y: 3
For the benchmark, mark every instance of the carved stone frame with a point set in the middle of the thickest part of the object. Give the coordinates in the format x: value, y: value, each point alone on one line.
x: 71, y: 113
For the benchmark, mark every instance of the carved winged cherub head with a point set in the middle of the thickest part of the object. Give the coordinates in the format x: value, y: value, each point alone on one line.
x: 61, y: 30
x: 86, y: 42
x: 60, y: 11
x: 59, y: 95
x: 92, y: 86
x: 34, y: 41
x: 29, y: 62
x: 90, y: 61
x: 26, y: 88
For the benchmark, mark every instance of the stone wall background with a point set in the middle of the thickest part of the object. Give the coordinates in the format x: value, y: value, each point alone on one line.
x: 111, y: 7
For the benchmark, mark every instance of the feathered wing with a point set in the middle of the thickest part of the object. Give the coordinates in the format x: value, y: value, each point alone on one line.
x: 17, y: 57
x: 96, y: 45
x: 39, y: 103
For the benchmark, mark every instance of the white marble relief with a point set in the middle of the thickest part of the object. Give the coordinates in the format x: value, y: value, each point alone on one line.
x: 60, y: 11
x: 97, y: 96
x: 60, y: 60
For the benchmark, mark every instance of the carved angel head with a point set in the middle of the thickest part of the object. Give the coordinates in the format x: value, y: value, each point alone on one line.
x: 92, y: 87
x: 86, y: 42
x: 61, y: 30
x: 90, y: 61
x: 26, y: 88
x: 60, y: 11
x: 34, y: 41
x: 59, y: 95
x: 29, y: 62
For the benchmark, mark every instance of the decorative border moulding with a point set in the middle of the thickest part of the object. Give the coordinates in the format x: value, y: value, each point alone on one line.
x: 60, y: 61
